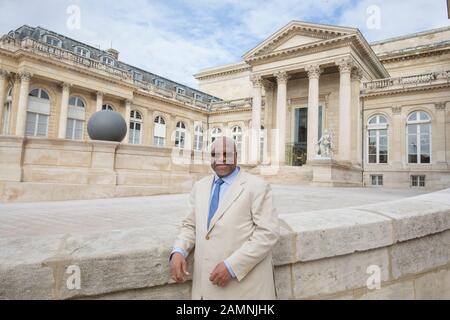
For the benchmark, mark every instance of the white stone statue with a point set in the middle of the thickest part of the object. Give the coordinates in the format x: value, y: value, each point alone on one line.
x: 324, y: 146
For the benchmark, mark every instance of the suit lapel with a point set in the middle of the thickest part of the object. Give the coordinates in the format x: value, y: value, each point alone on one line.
x: 232, y: 194
x: 205, y: 189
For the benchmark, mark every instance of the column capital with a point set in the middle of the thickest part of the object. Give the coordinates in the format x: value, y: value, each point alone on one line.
x: 268, y: 85
x: 66, y: 85
x: 128, y: 102
x: 25, y: 76
x: 314, y: 71
x: 396, y: 110
x: 256, y: 80
x: 345, y: 64
x: 356, y: 74
x: 99, y: 94
x: 282, y: 76
x: 3, y: 74
x: 440, y: 106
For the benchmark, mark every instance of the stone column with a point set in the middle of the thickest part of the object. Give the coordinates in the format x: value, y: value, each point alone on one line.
x: 313, y: 110
x: 356, y: 76
x: 3, y: 81
x: 396, y: 132
x: 345, y: 66
x: 279, y: 146
x: 268, y: 125
x: 63, y: 111
x: 21, y: 119
x: 99, y: 103
x: 149, y: 124
x: 256, y: 119
x: 127, y: 119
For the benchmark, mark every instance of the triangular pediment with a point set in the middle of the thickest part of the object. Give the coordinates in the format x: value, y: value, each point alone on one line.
x: 296, y: 34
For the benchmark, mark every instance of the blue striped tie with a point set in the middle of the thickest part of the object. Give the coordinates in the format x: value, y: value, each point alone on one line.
x: 215, y: 200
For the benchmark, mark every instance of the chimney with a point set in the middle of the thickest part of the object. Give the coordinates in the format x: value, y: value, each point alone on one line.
x: 113, y: 52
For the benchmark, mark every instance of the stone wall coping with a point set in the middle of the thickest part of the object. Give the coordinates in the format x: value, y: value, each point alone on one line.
x: 117, y: 260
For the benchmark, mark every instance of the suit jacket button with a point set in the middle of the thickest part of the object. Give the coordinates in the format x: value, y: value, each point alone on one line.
x: 207, y: 237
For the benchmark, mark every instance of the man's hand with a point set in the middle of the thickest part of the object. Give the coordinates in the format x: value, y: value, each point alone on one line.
x: 220, y: 275
x: 178, y: 267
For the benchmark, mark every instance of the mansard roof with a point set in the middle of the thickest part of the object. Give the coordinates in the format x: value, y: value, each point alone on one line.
x: 37, y: 33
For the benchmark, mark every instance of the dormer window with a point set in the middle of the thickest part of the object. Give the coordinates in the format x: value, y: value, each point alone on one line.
x: 137, y: 76
x: 107, y: 60
x: 198, y: 96
x: 82, y: 52
x: 53, y: 41
x: 158, y: 82
x: 180, y: 90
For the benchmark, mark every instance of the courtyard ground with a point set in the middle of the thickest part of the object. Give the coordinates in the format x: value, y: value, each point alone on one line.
x: 102, y: 215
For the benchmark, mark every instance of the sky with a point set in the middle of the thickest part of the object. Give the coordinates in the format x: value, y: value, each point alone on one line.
x: 177, y: 39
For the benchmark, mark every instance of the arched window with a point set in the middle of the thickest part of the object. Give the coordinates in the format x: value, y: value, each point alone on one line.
x: 159, y: 131
x: 134, y: 135
x: 418, y: 130
x: 107, y: 106
x: 215, y: 133
x: 107, y: 60
x: 75, y: 118
x: 39, y: 93
x: 180, y: 135
x: 52, y: 40
x: 38, y: 112
x: 7, y: 109
x: 377, y: 139
x: 236, y: 134
x: 82, y: 51
x: 198, y: 138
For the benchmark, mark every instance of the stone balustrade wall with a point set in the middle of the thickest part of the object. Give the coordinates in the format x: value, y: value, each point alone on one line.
x: 327, y: 254
x: 37, y: 169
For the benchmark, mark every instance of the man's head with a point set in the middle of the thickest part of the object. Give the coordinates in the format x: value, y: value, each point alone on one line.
x: 223, y: 156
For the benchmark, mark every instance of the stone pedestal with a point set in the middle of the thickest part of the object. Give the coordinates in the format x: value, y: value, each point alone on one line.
x: 331, y: 173
x: 102, y: 163
x: 11, y: 148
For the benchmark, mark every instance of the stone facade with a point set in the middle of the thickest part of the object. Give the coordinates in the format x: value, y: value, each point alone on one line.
x: 326, y: 77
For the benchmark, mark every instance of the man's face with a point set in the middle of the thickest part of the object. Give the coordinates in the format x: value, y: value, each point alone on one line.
x: 223, y: 156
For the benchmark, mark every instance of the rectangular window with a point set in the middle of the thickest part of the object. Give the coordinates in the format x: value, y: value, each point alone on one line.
x: 135, y: 133
x: 36, y: 124
x: 417, y: 181
x: 376, y: 179
x: 74, y: 129
x: 158, y: 82
x: 158, y: 141
x: 137, y: 76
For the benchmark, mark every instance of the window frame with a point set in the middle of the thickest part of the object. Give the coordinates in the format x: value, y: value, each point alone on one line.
x: 419, y: 123
x: 378, y: 126
x: 36, y: 124
x: 159, y: 141
x: 198, y: 137
x: 88, y: 55
x: 134, y: 121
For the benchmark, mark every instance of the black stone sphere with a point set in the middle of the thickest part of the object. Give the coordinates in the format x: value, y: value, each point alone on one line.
x: 107, y: 125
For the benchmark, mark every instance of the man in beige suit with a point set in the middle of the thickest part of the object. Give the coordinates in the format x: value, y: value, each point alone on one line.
x: 233, y: 225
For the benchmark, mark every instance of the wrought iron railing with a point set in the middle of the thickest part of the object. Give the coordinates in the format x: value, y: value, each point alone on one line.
x: 295, y: 154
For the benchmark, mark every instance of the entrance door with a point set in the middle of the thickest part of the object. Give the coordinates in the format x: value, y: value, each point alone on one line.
x: 300, y: 137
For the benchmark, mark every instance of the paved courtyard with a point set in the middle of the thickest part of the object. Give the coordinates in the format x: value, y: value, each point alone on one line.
x: 94, y: 216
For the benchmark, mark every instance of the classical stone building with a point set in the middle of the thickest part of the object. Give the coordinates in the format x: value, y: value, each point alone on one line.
x: 311, y: 104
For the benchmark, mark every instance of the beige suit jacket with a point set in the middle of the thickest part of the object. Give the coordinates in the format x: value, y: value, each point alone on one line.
x: 243, y: 231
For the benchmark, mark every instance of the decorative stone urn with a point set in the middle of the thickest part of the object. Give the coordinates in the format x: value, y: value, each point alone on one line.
x: 107, y: 125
